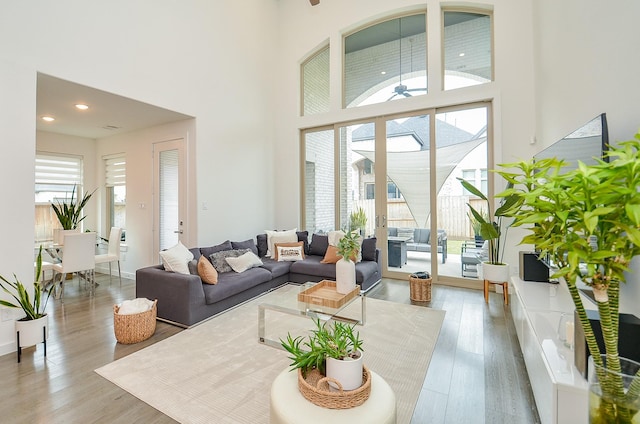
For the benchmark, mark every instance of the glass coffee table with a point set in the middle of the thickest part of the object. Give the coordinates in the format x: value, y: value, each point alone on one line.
x: 284, y: 300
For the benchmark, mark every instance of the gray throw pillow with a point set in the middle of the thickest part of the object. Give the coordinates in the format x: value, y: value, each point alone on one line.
x: 219, y: 259
x: 319, y: 245
x: 261, y: 242
x: 369, y: 249
x: 193, y: 266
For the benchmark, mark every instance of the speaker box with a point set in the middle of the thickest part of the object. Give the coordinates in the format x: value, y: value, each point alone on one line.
x: 628, y: 336
x: 532, y: 268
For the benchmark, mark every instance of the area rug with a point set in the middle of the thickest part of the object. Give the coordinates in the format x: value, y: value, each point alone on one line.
x: 218, y: 372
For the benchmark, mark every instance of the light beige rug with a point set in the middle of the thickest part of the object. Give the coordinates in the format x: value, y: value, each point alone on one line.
x: 218, y: 372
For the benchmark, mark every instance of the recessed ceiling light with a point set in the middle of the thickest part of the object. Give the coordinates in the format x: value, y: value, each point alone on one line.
x: 48, y: 118
x: 82, y: 107
x: 383, y: 73
x: 461, y: 55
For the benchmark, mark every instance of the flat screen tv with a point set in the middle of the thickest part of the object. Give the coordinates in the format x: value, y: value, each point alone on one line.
x: 584, y: 144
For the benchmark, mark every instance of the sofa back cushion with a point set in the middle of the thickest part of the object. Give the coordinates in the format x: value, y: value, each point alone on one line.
x: 421, y: 235
x: 261, y: 243
x: 369, y: 249
x: 208, y: 251
x: 247, y: 244
x: 319, y: 244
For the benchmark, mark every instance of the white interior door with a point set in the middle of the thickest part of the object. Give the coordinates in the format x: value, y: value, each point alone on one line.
x: 170, y: 224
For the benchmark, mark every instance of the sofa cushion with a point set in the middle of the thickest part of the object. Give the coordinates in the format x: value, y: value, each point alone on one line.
x: 319, y: 244
x: 261, y: 244
x: 289, y: 251
x: 206, y: 271
x: 196, y: 252
x: 176, y: 258
x: 193, y: 266
x: 421, y: 235
x: 303, y: 236
x: 219, y: 259
x: 312, y: 265
x: 231, y: 283
x: 277, y: 269
x: 247, y: 244
x: 244, y: 262
x: 207, y: 251
x: 369, y: 249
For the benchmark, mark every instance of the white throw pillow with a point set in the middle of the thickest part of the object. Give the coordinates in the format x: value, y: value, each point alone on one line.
x: 244, y: 262
x: 177, y: 259
x: 135, y: 306
x: 289, y: 253
x: 274, y: 237
x: 334, y: 237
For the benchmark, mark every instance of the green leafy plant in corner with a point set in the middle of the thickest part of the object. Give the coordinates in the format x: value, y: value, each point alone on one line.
x: 349, y: 245
x: 587, y: 221
x: 34, y: 307
x: 489, y: 229
x: 68, y: 211
x: 337, y: 341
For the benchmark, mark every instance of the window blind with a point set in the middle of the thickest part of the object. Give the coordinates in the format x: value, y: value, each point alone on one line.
x: 115, y: 171
x: 52, y: 170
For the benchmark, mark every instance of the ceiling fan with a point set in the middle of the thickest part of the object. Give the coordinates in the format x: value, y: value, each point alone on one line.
x: 401, y: 89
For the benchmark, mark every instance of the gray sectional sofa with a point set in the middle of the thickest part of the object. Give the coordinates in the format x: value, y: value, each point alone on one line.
x: 183, y: 299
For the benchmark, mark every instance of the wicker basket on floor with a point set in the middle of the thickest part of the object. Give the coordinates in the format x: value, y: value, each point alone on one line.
x: 420, y: 289
x: 315, y: 388
x: 134, y: 328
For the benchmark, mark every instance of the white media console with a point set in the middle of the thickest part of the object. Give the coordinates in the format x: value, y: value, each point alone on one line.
x: 559, y: 389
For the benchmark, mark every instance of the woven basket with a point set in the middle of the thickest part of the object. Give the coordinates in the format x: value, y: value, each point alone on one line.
x: 420, y: 289
x: 134, y: 328
x: 315, y: 388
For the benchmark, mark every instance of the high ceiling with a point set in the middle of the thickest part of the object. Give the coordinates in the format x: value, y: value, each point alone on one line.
x: 108, y: 114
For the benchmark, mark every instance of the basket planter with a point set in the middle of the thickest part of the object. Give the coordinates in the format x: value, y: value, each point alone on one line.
x: 134, y: 328
x: 315, y: 388
x: 420, y: 289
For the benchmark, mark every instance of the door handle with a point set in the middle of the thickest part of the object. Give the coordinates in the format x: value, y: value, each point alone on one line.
x: 178, y: 232
x: 384, y: 221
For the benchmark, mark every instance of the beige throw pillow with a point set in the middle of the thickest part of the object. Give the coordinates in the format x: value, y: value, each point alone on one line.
x: 289, y: 252
x: 206, y: 271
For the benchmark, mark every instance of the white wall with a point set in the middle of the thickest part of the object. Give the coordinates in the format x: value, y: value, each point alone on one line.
x: 211, y: 60
x: 586, y: 64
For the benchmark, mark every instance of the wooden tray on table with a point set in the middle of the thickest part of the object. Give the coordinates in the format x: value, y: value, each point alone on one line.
x: 325, y: 294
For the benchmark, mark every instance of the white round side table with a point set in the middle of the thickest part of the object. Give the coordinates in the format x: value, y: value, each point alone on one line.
x: 288, y: 406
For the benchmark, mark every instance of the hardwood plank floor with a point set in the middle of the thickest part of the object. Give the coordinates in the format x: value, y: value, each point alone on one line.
x: 476, y: 375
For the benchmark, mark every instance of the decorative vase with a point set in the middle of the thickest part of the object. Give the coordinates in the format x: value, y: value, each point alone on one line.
x: 610, y: 399
x: 30, y: 332
x: 494, y: 273
x: 347, y: 371
x: 345, y: 276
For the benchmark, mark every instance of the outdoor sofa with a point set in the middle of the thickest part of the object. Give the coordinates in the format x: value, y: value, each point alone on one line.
x: 420, y: 240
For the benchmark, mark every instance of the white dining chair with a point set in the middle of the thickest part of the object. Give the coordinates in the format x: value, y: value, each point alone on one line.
x: 113, y: 252
x: 78, y: 256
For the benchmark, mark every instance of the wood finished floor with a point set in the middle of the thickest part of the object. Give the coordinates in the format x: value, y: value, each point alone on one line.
x: 476, y: 374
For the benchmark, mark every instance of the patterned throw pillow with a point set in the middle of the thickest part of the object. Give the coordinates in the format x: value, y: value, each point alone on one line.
x: 289, y: 252
x: 219, y: 259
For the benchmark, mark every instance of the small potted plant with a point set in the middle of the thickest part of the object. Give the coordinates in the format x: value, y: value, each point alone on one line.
x: 68, y: 212
x: 334, y: 350
x: 30, y: 327
x: 358, y: 221
x: 348, y: 248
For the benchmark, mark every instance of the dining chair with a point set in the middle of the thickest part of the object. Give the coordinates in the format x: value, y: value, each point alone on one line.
x: 113, y: 252
x: 78, y: 256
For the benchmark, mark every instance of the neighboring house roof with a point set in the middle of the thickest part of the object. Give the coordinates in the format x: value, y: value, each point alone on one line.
x: 418, y: 128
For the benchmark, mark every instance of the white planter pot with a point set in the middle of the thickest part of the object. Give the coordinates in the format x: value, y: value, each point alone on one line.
x: 495, y: 273
x: 345, y: 276
x: 31, y: 332
x: 347, y: 371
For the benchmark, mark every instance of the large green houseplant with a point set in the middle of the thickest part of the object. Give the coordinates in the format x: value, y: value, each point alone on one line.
x: 587, y: 221
x: 69, y: 211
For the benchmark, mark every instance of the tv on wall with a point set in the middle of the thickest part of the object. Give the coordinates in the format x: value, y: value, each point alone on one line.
x: 588, y: 142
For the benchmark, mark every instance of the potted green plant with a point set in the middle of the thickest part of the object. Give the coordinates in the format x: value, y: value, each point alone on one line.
x: 29, y: 328
x: 68, y: 211
x: 490, y: 229
x: 358, y: 221
x: 348, y: 249
x: 475, y: 226
x: 587, y: 221
x: 334, y: 350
